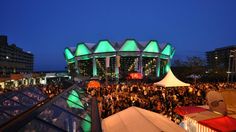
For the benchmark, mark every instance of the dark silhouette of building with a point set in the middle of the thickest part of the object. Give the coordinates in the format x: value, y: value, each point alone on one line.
x: 218, y: 59
x: 13, y: 59
x: 222, y: 60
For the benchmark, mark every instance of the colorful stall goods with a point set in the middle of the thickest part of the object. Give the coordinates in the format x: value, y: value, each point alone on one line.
x: 94, y: 84
x: 135, y: 76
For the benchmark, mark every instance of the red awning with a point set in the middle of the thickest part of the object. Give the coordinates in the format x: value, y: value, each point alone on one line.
x: 223, y: 124
x: 184, y: 110
x: 16, y: 76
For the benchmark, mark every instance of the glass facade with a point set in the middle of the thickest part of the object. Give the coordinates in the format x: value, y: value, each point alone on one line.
x: 14, y: 103
x: 69, y: 111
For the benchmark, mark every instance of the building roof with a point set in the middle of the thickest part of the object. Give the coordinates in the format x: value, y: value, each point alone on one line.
x: 230, y: 47
x: 128, y: 47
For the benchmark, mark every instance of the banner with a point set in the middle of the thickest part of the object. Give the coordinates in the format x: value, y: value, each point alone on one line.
x: 107, y: 61
x: 118, y: 61
x: 136, y: 64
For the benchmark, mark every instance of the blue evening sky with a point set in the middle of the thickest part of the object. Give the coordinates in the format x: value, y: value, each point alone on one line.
x: 46, y: 27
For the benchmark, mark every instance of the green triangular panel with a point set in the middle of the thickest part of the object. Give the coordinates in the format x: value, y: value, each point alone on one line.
x: 82, y: 49
x: 172, y: 54
x: 167, y: 50
x: 104, y: 46
x: 86, y: 126
x: 73, y: 100
x: 167, y: 67
x: 152, y: 46
x: 129, y: 45
x: 68, y: 54
x: 70, y: 61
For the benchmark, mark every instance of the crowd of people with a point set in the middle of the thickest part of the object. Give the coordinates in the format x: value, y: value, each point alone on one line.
x: 116, y: 97
x: 50, y: 89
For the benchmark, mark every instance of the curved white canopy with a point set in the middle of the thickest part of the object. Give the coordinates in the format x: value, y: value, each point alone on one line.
x: 171, y: 81
x: 134, y: 119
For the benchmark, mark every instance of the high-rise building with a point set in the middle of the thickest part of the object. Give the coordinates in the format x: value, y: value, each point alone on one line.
x: 13, y: 59
x: 221, y: 59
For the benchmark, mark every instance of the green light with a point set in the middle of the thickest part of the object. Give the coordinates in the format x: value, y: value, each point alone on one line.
x: 84, y: 57
x: 73, y: 100
x: 68, y: 54
x: 94, y: 67
x: 86, y: 126
x: 129, y: 45
x: 82, y: 49
x: 167, y: 67
x: 172, y: 54
x: 167, y: 50
x: 104, y: 46
x: 152, y: 46
x: 70, y: 61
x: 158, y: 66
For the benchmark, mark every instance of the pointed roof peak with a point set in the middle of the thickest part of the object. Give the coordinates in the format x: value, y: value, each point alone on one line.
x: 130, y: 45
x: 171, y: 81
x: 152, y: 46
x: 104, y: 46
x: 82, y: 49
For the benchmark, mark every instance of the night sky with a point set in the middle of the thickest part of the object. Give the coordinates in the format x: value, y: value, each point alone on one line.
x: 46, y: 27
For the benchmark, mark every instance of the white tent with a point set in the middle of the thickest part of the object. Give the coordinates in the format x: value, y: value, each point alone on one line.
x: 171, y: 81
x: 134, y: 119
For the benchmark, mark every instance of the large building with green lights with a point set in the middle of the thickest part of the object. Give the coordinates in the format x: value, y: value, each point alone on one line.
x: 119, y: 59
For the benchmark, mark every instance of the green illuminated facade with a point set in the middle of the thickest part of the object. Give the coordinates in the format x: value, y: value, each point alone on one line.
x: 73, y: 100
x: 152, y: 46
x: 104, y: 46
x: 82, y: 49
x: 69, y: 56
x: 130, y: 45
x: 123, y: 58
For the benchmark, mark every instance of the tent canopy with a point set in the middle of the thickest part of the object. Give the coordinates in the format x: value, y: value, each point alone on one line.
x: 134, y: 119
x: 171, y: 81
x: 188, y: 110
x: 222, y: 124
x: 204, y: 115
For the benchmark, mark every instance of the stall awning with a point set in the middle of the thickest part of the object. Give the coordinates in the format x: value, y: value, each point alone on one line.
x: 184, y: 110
x: 223, y: 124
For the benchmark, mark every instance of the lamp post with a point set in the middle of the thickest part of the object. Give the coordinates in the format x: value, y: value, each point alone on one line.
x: 231, y: 66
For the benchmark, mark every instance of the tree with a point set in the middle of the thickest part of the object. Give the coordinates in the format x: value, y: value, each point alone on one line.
x: 195, y: 61
x: 192, y: 65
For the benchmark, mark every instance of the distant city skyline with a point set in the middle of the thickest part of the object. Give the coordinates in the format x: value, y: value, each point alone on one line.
x: 45, y: 28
